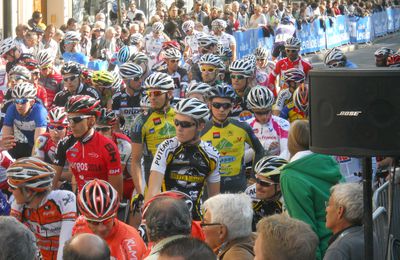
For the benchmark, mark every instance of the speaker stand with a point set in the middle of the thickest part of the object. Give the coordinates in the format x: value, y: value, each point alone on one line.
x: 368, y: 224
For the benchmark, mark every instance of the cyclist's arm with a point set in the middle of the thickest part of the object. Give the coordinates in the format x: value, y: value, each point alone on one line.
x: 38, y: 131
x: 65, y: 234
x: 233, y: 48
x: 7, y: 130
x: 67, y: 205
x: 57, y: 176
x: 155, y: 182
x: 136, y: 167
x: 253, y: 141
x: 113, y: 161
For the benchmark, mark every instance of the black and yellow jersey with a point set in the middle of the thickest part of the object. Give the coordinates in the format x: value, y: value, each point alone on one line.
x: 186, y: 168
x: 152, y: 129
x: 229, y: 139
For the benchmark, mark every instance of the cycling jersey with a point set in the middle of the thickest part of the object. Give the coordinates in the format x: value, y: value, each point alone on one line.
x: 179, y: 76
x: 5, y: 161
x: 153, y: 47
x: 186, y: 168
x: 128, y: 108
x: 263, y: 208
x: 273, y: 136
x: 24, y: 126
x: 45, y: 148
x: 285, y: 64
x: 229, y: 139
x: 191, y: 43
x: 284, y: 32
x: 226, y: 40
x: 51, y: 222
x: 291, y: 112
x: 61, y: 98
x: 125, y: 150
x: 124, y: 241
x: 284, y: 97
x: 350, y: 65
x: 76, y: 57
x: 95, y: 156
x: 41, y: 94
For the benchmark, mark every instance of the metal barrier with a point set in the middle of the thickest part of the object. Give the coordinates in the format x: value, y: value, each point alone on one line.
x: 381, y: 196
x: 395, y: 225
x: 380, y: 220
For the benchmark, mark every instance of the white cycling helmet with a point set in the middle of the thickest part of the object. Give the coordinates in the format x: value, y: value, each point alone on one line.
x: 136, y: 38
x: 193, y: 107
x: 145, y: 102
x: 205, y: 40
x: 159, y: 80
x: 334, y: 58
x: 384, y: 51
x: 188, y: 26
x: 218, y: 23
x: 293, y: 43
x: 198, y: 87
x: 157, y: 27
x: 242, y: 67
x: 261, y: 53
x: 294, y: 74
x: 20, y: 72
x: 72, y: 36
x: 260, y: 98
x: 6, y: 45
x: 117, y: 83
x: 45, y: 57
x: 24, y: 90
x: 172, y: 53
x: 57, y: 115
x: 130, y: 70
x: 210, y: 59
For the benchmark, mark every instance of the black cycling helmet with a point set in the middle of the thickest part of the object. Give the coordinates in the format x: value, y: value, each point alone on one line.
x: 222, y: 91
x: 71, y: 67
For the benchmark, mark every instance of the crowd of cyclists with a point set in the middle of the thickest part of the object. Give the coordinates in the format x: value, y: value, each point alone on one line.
x: 86, y: 150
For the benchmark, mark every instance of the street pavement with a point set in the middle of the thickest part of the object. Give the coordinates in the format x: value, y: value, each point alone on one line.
x: 360, y: 54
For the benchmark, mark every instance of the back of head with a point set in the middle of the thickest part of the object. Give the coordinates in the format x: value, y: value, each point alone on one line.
x: 167, y: 217
x: 187, y: 249
x: 16, y: 240
x: 285, y: 238
x: 77, y: 248
x: 299, y: 136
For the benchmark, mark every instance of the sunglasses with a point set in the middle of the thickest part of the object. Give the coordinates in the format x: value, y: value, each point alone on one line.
x: 184, y: 124
x: 59, y: 127
x: 21, y: 101
x: 239, y: 77
x: 103, y: 128
x: 155, y: 93
x: 97, y: 222
x: 223, y: 105
x: 264, y: 183
x: 208, y: 69
x: 289, y: 51
x: 77, y: 119
x: 262, y: 112
x: 174, y: 61
x: 72, y: 78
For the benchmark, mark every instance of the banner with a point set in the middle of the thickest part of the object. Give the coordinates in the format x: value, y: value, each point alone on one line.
x: 360, y: 29
x: 248, y: 41
x: 380, y: 23
x: 336, y: 31
x: 312, y: 37
x: 390, y: 19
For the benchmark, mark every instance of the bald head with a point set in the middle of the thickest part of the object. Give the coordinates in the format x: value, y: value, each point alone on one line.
x: 77, y: 248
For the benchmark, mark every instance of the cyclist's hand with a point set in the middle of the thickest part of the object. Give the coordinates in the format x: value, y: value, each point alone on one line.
x: 7, y: 142
x: 137, y: 203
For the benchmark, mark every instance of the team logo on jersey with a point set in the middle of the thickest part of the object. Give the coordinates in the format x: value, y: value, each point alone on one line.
x: 93, y: 155
x: 167, y: 130
x: 216, y: 135
x: 224, y: 144
x: 255, y: 131
x: 227, y: 159
x: 151, y: 130
x: 73, y: 155
x: 68, y: 199
x: 156, y: 121
x: 245, y: 115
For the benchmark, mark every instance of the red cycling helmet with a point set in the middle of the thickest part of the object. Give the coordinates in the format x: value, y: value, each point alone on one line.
x: 394, y: 60
x: 83, y: 104
x: 171, y: 44
x: 98, y: 200
x: 57, y: 115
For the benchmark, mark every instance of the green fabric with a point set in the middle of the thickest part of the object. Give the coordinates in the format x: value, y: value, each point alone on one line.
x: 305, y: 185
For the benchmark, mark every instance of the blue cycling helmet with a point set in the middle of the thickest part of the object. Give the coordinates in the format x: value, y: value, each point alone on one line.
x: 125, y: 53
x: 222, y: 91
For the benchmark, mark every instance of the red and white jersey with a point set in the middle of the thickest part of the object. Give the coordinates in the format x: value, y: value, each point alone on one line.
x: 5, y: 161
x: 51, y: 222
x: 273, y: 135
x: 285, y: 64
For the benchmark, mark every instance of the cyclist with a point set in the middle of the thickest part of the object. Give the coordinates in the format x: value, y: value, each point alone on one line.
x: 381, y: 56
x: 104, y: 125
x: 136, y: 40
x: 293, y: 60
x: 293, y: 79
x: 98, y: 202
x: 190, y: 41
x: 172, y: 57
x: 300, y: 99
x: 393, y: 60
x: 73, y: 84
x: 207, y: 44
x: 71, y: 54
x: 33, y: 66
x: 198, y: 90
x: 10, y: 52
x: 266, y: 192
x: 264, y: 67
x: 226, y: 56
x: 335, y: 58
x: 25, y: 119
x: 50, y: 215
x: 229, y: 137
x: 186, y: 163
x: 152, y: 129
x: 218, y: 27
x: 283, y: 31
x: 212, y: 69
x: 89, y: 154
x: 125, y: 53
x: 143, y: 61
x: 103, y: 80
x: 50, y: 79
x: 153, y: 42
x: 272, y: 131
x: 126, y: 103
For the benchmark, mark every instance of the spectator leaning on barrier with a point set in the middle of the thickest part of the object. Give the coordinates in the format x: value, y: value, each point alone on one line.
x: 344, y: 216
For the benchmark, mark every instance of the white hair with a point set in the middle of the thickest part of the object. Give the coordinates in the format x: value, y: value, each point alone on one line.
x: 235, y: 211
x: 350, y: 197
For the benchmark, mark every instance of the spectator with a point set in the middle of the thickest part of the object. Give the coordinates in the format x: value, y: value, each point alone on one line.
x: 97, y: 37
x: 100, y: 17
x: 137, y: 15
x: 231, y: 238
x: 312, y: 12
x: 167, y: 219
x: 77, y: 248
x: 272, y: 16
x: 30, y: 44
x: 108, y: 44
x: 20, y: 31
x: 281, y: 9
x: 36, y: 20
x: 284, y: 238
x: 72, y: 25
x: 187, y: 249
x: 306, y: 189
x: 85, y: 43
x: 257, y: 19
x: 336, y: 9
x: 243, y: 17
x: 16, y: 240
x: 47, y: 41
x: 197, y: 13
x: 344, y: 217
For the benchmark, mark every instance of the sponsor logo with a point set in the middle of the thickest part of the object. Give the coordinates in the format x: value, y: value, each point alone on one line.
x: 216, y: 135
x: 156, y: 121
x: 349, y: 113
x: 68, y: 199
x: 167, y: 130
x: 255, y: 130
x: 93, y: 155
x: 343, y: 159
x: 224, y: 144
x: 151, y: 131
x: 227, y: 159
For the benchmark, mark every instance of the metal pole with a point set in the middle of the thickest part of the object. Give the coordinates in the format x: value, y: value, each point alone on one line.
x: 368, y: 224
x: 119, y: 11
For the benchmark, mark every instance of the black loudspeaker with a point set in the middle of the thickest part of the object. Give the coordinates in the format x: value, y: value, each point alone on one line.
x: 355, y: 112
